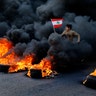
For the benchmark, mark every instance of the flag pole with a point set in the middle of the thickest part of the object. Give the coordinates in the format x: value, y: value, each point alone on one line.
x: 53, y: 27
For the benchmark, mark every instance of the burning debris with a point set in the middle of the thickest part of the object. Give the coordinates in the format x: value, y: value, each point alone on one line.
x: 28, y: 27
x: 44, y: 68
x: 90, y: 80
x: 10, y: 58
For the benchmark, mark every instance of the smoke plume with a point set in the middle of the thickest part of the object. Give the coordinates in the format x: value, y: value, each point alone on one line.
x: 27, y: 24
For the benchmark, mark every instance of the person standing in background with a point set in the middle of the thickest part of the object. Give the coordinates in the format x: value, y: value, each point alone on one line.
x: 70, y: 34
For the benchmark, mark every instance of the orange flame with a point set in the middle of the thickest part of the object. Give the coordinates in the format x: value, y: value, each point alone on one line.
x: 22, y: 64
x: 16, y: 63
x: 5, y: 46
x: 44, y: 66
x: 93, y: 73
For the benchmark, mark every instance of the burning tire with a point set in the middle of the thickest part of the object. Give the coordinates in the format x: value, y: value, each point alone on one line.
x: 90, y: 80
x: 35, y: 73
x: 4, y: 68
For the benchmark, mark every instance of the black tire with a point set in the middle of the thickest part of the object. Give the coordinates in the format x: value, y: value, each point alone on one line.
x: 35, y: 73
x: 4, y: 68
x: 91, y: 81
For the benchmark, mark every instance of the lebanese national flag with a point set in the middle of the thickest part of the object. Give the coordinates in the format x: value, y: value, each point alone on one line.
x: 57, y: 22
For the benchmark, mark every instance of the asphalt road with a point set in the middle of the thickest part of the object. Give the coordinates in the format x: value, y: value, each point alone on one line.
x: 67, y: 84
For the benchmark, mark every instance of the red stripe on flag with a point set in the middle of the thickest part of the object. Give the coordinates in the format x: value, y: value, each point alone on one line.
x: 57, y: 26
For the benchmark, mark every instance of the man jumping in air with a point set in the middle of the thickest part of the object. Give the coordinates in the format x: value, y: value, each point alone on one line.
x: 70, y: 34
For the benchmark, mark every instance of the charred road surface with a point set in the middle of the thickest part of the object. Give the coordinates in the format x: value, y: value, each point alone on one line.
x: 67, y: 84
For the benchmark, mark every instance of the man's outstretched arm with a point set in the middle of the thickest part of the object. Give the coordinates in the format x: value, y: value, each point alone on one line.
x: 78, y: 36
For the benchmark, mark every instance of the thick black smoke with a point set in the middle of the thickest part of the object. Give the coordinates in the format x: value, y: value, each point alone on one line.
x: 57, y: 8
x: 43, y: 30
x: 65, y: 52
x: 39, y: 48
x: 27, y: 23
x: 3, y: 28
x: 18, y: 35
x: 20, y: 48
x: 50, y: 9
